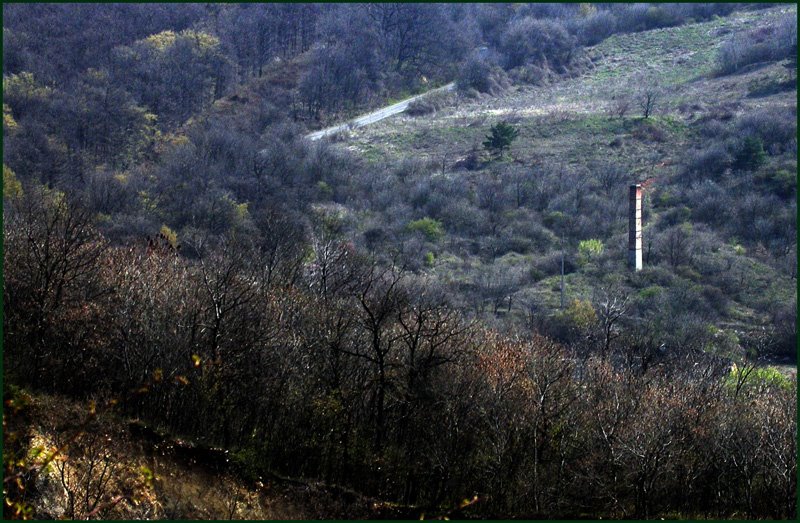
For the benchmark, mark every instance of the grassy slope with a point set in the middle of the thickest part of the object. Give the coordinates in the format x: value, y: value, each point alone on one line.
x: 569, y: 122
x: 573, y: 111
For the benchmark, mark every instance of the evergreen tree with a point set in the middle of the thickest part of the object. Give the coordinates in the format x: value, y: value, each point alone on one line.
x: 500, y: 138
x: 751, y: 156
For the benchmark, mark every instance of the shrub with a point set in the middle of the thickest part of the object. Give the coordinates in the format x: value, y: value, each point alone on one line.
x: 781, y: 182
x: 170, y: 236
x: 716, y: 298
x: 709, y: 162
x: 786, y: 36
x: 646, y: 131
x: 747, y: 380
x: 650, y: 292
x: 631, y: 18
x: 375, y: 237
x: 432, y: 229
x: 589, y: 250
x: 741, y: 50
x: 574, y: 322
x: 709, y: 203
x: 775, y: 127
x: 481, y: 73
x: 657, y: 16
x: 429, y: 104
x: 554, y: 219
x: 597, y: 28
x: 550, y: 265
x: 761, y: 45
x: 751, y: 154
x: 529, y: 41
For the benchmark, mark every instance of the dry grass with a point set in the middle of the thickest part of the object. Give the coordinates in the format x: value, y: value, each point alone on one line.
x: 684, y: 58
x: 146, y: 480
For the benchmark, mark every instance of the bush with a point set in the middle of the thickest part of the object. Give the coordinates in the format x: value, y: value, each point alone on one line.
x: 550, y: 265
x: 597, y: 28
x: 432, y: 229
x: 12, y: 188
x: 481, y: 73
x: 711, y: 161
x: 536, y: 42
x: 751, y: 154
x: 781, y: 182
x: 647, y: 131
x: 709, y: 203
x: 657, y: 16
x: 749, y: 381
x: 761, y: 45
x: 775, y: 127
x: 643, y: 17
x: 589, y: 250
x: 786, y: 36
x: 429, y: 104
x: 631, y: 18
x: 739, y: 51
x: 574, y: 322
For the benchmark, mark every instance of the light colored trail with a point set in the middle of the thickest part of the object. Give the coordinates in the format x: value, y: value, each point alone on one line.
x: 375, y: 116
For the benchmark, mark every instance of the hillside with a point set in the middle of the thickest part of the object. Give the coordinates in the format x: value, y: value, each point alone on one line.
x: 572, y: 125
x: 208, y: 315
x: 151, y: 475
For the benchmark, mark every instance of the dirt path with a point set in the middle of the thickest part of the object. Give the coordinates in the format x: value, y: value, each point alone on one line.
x: 375, y: 116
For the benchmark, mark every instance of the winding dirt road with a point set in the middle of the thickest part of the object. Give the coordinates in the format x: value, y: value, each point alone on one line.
x: 375, y: 116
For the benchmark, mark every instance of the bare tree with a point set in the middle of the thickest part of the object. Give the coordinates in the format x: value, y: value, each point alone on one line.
x: 648, y: 93
x: 87, y: 477
x: 611, y: 304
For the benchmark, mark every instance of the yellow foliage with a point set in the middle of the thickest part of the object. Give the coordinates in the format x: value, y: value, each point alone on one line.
x: 170, y: 235
x: 96, y: 74
x: 161, y: 41
x: 581, y: 314
x: 147, y: 202
x: 178, y: 139
x: 241, y: 211
x: 12, y: 188
x: 24, y: 84
x: 587, y: 10
x: 9, y: 124
x: 164, y: 40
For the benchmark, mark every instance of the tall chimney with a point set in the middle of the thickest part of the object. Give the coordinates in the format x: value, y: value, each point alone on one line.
x: 635, y: 228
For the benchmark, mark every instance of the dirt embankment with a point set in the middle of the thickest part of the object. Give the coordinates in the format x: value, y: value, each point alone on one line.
x: 112, y: 468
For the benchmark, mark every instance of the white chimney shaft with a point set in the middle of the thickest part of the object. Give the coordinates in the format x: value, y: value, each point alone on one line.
x: 635, y: 228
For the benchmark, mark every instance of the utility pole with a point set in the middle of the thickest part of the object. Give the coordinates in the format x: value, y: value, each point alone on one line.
x: 562, y: 272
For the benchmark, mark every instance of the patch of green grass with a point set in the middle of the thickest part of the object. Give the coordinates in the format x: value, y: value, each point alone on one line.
x: 679, y: 54
x: 437, y: 136
x: 581, y: 125
x: 671, y: 123
x: 372, y: 153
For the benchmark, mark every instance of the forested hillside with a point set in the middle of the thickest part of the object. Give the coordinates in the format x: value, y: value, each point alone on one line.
x: 376, y: 324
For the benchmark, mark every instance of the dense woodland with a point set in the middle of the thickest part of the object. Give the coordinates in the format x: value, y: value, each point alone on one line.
x: 173, y: 245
